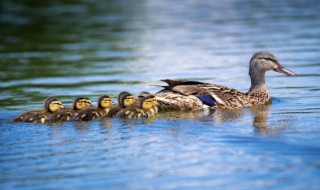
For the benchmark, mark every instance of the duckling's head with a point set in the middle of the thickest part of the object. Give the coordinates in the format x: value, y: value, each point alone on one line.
x: 148, y: 102
x: 126, y: 99
x: 265, y: 61
x: 104, y: 102
x: 142, y: 95
x: 81, y: 103
x: 120, y: 97
x: 52, y: 104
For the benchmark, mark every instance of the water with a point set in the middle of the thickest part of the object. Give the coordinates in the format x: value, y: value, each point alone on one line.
x: 93, y: 48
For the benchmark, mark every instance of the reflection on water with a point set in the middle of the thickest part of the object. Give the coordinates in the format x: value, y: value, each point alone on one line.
x: 90, y: 48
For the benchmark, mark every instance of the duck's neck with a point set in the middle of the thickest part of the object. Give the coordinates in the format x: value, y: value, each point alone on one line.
x: 258, y: 85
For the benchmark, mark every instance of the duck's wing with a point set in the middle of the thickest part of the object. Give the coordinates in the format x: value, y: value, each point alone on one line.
x: 223, y: 97
x: 227, y: 97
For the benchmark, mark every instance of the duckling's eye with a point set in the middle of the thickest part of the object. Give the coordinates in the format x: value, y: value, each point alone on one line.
x: 149, y: 101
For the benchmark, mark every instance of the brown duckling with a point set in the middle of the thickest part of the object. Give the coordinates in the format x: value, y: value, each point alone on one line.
x: 51, y: 106
x: 69, y: 114
x: 105, y: 106
x: 146, y: 109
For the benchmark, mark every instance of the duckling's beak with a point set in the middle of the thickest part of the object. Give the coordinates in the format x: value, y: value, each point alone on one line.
x: 62, y: 107
x: 285, y: 71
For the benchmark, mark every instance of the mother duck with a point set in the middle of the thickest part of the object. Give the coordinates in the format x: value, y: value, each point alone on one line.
x: 194, y: 95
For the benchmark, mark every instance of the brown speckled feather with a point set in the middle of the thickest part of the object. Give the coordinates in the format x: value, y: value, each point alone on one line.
x: 184, y: 96
x: 62, y: 115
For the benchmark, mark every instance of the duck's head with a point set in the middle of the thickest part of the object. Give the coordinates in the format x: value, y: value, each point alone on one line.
x: 52, y: 104
x: 81, y: 103
x: 126, y: 99
x: 148, y: 102
x: 104, y: 102
x: 265, y: 61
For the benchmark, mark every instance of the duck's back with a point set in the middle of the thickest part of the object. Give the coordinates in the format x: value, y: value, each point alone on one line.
x: 193, y: 95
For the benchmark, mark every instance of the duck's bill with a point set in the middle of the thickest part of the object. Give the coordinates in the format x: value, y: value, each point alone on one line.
x: 285, y: 71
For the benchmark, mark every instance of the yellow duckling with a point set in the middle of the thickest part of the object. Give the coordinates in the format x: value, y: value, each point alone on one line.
x: 69, y: 114
x: 146, y: 109
x: 105, y: 107
x: 125, y: 100
x: 51, y: 106
x: 154, y: 100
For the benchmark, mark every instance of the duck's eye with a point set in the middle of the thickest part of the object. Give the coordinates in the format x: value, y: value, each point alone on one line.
x: 268, y: 59
x: 149, y: 101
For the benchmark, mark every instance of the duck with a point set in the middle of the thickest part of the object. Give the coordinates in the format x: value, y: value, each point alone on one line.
x: 195, y: 95
x: 69, y: 114
x: 51, y: 106
x: 104, y: 109
x: 146, y: 108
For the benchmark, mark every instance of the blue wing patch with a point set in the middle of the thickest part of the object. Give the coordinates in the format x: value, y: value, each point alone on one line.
x: 207, y: 100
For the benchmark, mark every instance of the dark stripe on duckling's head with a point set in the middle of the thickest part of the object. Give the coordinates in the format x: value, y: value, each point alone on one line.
x: 81, y: 103
x: 104, y: 101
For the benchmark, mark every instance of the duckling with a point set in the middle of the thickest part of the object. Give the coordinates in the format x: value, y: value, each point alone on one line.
x: 125, y: 100
x: 146, y: 109
x: 104, y: 107
x: 51, y: 106
x: 154, y: 100
x: 150, y: 105
x: 69, y: 114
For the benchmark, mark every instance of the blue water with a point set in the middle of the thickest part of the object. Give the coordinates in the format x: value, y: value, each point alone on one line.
x: 104, y: 47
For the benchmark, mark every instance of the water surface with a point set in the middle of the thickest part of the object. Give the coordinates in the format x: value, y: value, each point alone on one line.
x: 104, y: 47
